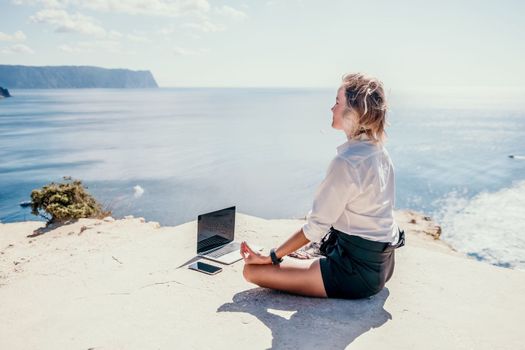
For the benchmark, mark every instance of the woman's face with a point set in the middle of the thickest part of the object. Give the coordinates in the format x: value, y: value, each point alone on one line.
x: 339, y: 109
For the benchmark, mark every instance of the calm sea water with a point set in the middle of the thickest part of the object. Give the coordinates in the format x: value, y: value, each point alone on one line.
x: 170, y: 154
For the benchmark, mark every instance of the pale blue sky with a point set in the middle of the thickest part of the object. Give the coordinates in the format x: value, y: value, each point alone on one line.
x: 408, y: 44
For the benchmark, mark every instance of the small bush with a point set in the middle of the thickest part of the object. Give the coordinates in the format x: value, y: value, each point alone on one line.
x: 65, y: 201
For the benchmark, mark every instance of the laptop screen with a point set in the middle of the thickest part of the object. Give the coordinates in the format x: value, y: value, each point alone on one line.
x: 215, y: 229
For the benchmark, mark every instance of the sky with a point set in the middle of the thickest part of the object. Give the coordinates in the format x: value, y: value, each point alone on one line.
x: 409, y: 45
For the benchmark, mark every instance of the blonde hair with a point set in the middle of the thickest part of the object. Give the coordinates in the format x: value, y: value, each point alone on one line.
x: 366, y: 96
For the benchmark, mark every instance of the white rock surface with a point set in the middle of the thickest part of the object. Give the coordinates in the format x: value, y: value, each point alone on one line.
x: 124, y: 285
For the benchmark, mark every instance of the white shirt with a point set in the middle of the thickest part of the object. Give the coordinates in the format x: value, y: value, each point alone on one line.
x: 357, y: 196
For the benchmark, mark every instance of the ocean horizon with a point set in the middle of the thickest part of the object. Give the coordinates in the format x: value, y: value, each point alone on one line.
x: 169, y: 154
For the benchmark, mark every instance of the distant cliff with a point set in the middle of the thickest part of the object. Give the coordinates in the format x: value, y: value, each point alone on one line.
x: 70, y: 77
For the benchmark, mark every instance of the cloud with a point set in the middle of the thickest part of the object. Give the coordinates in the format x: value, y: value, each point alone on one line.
x: 280, y: 2
x: 110, y: 46
x: 182, y: 51
x: 205, y: 26
x: 16, y: 36
x: 44, y: 3
x: 17, y: 48
x: 64, y: 22
x: 137, y: 38
x: 231, y: 12
x: 68, y: 23
x: 64, y: 16
x: 76, y: 48
x: 162, y: 8
x: 113, y: 34
x: 167, y: 30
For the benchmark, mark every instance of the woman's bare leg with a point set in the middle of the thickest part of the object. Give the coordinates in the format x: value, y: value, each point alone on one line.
x: 292, y: 275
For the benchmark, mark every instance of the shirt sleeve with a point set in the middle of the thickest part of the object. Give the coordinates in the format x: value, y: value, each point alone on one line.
x: 340, y: 185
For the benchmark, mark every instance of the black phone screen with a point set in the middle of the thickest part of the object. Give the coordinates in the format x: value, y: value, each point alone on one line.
x: 206, y: 267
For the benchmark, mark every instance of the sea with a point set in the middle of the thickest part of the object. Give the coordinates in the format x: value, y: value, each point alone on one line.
x: 169, y: 154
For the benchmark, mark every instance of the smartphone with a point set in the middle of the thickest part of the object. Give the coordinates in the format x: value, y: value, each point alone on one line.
x: 205, y: 268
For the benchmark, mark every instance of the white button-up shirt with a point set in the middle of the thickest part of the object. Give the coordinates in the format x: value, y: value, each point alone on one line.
x: 357, y: 196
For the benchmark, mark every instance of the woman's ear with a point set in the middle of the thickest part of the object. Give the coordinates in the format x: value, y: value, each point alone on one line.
x: 350, y: 122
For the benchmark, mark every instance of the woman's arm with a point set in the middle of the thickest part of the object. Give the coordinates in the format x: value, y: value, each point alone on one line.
x: 296, y: 241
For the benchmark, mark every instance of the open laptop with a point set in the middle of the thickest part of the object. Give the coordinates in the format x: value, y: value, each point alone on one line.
x: 215, y: 231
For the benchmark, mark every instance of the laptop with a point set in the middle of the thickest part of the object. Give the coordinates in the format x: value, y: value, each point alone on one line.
x: 215, y: 231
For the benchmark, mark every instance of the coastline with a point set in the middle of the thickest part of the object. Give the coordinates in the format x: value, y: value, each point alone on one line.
x: 108, y: 284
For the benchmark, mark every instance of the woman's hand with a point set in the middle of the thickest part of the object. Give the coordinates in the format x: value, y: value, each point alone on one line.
x: 251, y: 257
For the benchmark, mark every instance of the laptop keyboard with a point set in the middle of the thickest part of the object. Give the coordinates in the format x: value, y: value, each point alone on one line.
x: 210, y: 242
x: 224, y: 250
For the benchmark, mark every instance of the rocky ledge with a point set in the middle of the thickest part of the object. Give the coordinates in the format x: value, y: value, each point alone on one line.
x: 123, y: 284
x: 4, y: 92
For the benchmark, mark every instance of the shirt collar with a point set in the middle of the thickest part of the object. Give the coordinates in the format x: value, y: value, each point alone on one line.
x: 350, y: 141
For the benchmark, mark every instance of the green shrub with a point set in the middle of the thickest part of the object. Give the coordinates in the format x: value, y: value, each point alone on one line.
x: 65, y: 201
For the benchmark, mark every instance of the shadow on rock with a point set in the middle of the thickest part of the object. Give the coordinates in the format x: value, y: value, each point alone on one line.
x: 50, y: 227
x: 314, y: 323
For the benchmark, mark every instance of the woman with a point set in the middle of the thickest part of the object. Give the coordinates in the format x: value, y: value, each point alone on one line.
x: 352, y: 210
